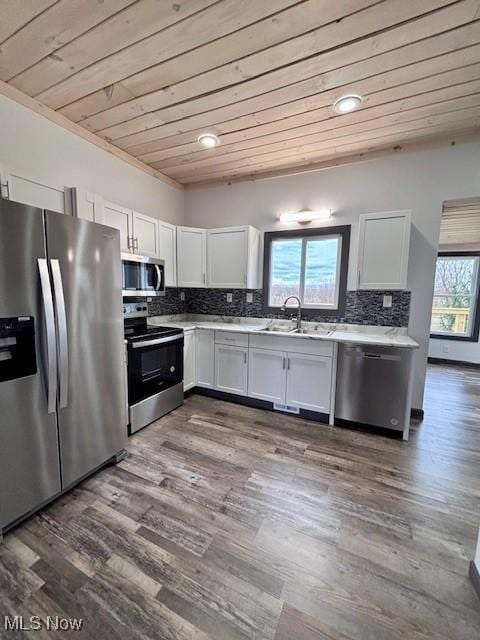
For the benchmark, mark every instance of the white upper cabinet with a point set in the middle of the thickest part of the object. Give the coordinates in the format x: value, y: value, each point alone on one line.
x: 167, y: 242
x: 122, y: 219
x: 145, y: 235
x: 384, y: 243
x: 138, y: 232
x: 191, y: 257
x: 36, y: 193
x: 233, y: 258
x: 87, y: 205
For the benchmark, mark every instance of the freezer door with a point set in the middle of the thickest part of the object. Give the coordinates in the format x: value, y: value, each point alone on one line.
x: 29, y: 457
x: 84, y: 258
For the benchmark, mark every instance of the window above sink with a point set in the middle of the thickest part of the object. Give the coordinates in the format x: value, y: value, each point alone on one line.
x: 311, y: 264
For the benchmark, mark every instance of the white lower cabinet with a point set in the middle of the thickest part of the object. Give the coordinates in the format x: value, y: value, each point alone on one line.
x: 189, y: 359
x: 267, y: 374
x: 205, y: 357
x: 309, y: 380
x: 231, y: 369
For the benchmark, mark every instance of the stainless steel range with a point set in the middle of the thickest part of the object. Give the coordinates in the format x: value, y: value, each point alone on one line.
x: 154, y: 367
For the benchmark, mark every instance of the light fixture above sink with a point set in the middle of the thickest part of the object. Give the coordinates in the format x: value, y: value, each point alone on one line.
x: 306, y: 215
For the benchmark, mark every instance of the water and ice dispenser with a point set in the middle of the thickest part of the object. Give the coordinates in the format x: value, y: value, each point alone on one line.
x: 17, y: 348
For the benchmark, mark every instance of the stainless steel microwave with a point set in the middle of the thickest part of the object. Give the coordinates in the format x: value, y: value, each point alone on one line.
x: 142, y: 276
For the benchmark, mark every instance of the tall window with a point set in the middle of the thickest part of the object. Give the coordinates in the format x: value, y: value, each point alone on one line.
x: 455, y: 299
x: 310, y: 264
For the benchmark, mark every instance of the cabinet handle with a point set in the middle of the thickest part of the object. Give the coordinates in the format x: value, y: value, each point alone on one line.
x: 358, y: 281
x: 245, y: 357
x: 204, y: 278
x: 288, y: 364
x: 283, y: 363
x: 136, y: 243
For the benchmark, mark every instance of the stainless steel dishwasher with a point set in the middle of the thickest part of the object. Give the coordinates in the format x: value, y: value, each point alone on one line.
x: 374, y: 386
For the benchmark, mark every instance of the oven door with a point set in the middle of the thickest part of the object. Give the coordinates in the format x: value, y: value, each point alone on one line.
x: 154, y: 365
x: 142, y: 276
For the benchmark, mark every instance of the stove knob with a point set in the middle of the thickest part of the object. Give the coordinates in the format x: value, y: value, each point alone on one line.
x: 145, y: 308
x: 139, y: 308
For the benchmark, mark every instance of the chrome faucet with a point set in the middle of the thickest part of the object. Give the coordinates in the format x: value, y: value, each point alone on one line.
x: 299, y: 310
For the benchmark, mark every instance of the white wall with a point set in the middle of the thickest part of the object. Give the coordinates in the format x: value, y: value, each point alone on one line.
x: 38, y: 148
x: 455, y: 349
x: 477, y: 554
x: 418, y: 181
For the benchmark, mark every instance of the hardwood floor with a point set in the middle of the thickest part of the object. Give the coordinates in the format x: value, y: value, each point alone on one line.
x: 227, y: 522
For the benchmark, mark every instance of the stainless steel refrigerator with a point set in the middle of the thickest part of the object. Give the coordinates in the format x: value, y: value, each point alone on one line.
x: 62, y: 385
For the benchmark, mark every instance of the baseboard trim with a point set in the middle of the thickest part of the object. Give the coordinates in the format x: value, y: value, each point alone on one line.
x: 460, y: 363
x: 474, y: 577
x: 259, y: 404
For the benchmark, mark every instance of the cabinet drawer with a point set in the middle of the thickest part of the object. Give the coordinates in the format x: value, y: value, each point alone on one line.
x: 231, y: 337
x: 292, y: 345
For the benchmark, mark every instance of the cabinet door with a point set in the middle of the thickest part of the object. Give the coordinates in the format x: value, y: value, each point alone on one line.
x: 119, y: 218
x: 227, y: 253
x: 189, y: 360
x: 384, y: 242
x: 267, y: 375
x: 86, y: 205
x: 205, y: 356
x: 231, y: 369
x: 309, y: 380
x: 167, y: 241
x: 145, y: 235
x: 191, y: 257
x: 36, y: 192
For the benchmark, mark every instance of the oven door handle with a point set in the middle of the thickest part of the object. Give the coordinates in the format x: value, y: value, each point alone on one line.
x: 151, y: 343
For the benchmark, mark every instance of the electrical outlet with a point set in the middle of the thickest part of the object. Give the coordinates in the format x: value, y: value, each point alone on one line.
x: 445, y: 348
x: 229, y: 297
x: 182, y: 296
x: 249, y: 297
x: 387, y: 302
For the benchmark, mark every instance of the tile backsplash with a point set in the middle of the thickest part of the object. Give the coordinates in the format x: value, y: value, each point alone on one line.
x: 362, y: 307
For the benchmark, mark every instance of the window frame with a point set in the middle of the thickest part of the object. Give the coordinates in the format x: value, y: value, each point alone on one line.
x: 342, y: 231
x: 473, y: 337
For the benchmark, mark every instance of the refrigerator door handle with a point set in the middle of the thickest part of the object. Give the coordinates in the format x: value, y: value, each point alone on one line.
x: 62, y: 334
x: 50, y: 329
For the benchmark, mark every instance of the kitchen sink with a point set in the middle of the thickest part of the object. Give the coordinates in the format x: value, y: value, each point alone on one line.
x: 306, y: 331
x: 314, y: 331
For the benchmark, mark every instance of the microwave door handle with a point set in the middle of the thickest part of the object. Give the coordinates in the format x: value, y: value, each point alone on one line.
x: 62, y: 334
x: 50, y: 334
x: 160, y: 275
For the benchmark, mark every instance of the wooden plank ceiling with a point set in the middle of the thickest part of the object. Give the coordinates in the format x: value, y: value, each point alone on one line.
x: 149, y: 76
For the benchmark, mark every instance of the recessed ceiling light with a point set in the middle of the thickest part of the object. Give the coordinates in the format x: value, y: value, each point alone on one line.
x: 208, y: 140
x: 347, y: 103
x: 306, y: 215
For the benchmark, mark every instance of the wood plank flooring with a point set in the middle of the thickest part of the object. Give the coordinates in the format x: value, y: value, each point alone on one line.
x: 232, y: 523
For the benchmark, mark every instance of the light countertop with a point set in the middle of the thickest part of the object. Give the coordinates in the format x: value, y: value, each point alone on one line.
x: 358, y: 334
